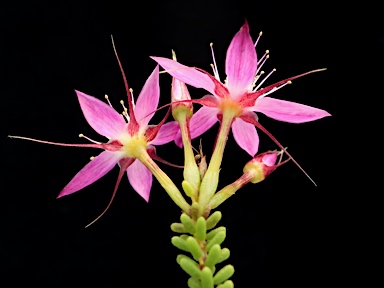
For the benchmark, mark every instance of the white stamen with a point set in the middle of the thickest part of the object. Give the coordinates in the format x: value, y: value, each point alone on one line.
x: 262, y: 63
x: 215, y: 71
x: 125, y: 112
x: 255, y: 79
x: 122, y: 104
x: 91, y: 158
x: 266, y: 77
x: 106, y: 97
x: 258, y: 38
x: 133, y: 99
x: 89, y: 139
x: 262, y: 58
x: 275, y: 89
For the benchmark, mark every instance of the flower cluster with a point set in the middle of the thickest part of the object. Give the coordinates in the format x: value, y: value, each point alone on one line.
x: 233, y: 102
x: 131, y: 142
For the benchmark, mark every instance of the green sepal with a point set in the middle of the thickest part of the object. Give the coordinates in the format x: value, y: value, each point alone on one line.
x: 224, y: 255
x: 213, y: 256
x: 193, y: 282
x: 178, y: 228
x: 226, y: 284
x: 218, y: 239
x: 224, y: 274
x: 189, y: 266
x: 188, y: 223
x: 188, y: 189
x: 201, y: 229
x: 179, y: 243
x: 213, y: 233
x: 206, y: 278
x: 213, y: 220
x: 194, y: 247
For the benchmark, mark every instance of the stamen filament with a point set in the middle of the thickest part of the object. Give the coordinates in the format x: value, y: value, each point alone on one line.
x: 89, y: 139
x: 275, y: 89
x: 109, y: 102
x: 215, y: 71
x: 133, y: 99
x: 258, y: 38
x: 262, y: 63
x: 266, y: 77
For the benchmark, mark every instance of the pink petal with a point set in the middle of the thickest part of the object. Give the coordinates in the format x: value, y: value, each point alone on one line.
x: 91, y: 172
x: 288, y: 111
x: 246, y: 136
x: 200, y: 122
x: 240, y: 63
x: 270, y: 159
x: 100, y: 116
x: 166, y: 133
x: 186, y: 74
x: 140, y: 178
x: 148, y: 98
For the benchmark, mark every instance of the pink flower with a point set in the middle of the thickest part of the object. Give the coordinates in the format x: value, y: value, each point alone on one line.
x: 129, y: 138
x: 239, y: 95
x: 125, y: 139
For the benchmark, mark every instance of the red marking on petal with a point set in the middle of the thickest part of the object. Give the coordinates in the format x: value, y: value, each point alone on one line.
x: 248, y: 118
x: 152, y: 153
x: 124, y: 164
x: 134, y: 127
x: 250, y: 99
x: 220, y: 90
x: 151, y: 132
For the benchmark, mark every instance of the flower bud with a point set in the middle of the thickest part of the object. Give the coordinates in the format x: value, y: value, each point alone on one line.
x: 263, y: 164
x: 179, y: 92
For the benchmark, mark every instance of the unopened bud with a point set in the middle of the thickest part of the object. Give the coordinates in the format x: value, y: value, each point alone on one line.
x: 263, y: 165
x: 180, y: 93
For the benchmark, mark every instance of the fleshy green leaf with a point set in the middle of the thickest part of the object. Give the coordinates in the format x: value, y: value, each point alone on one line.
x: 224, y: 274
x: 188, y: 223
x: 179, y: 243
x: 201, y: 229
x: 213, y: 233
x: 194, y: 247
x: 213, y: 256
x: 189, y: 266
x: 213, y: 220
x: 206, y: 278
x: 218, y: 239
x: 178, y: 228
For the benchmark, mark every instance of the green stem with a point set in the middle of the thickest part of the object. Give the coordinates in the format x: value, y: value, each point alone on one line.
x: 210, y: 181
x: 191, y: 171
x: 164, y: 180
x: 230, y: 189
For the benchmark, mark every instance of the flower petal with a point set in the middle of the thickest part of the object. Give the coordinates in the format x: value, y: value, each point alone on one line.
x: 148, y: 98
x: 270, y: 159
x: 91, y: 172
x: 166, y: 133
x: 200, y: 122
x: 100, y: 116
x: 246, y: 136
x: 140, y: 178
x: 240, y: 63
x: 186, y: 74
x: 288, y: 111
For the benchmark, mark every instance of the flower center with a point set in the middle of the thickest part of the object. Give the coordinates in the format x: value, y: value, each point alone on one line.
x: 133, y: 145
x: 230, y: 107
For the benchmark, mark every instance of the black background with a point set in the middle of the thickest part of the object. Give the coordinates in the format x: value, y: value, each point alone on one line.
x: 283, y: 231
